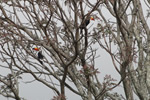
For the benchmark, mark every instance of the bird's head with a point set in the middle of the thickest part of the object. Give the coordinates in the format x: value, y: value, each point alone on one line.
x: 36, y: 49
x: 91, y: 18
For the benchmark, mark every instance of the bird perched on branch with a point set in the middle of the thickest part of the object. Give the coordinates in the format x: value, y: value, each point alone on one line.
x: 86, y: 22
x: 40, y: 55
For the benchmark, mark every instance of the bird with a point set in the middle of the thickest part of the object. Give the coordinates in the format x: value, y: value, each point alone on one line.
x: 86, y: 22
x: 40, y: 56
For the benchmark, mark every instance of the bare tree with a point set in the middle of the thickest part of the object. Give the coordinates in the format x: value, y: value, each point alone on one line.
x: 53, y: 38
